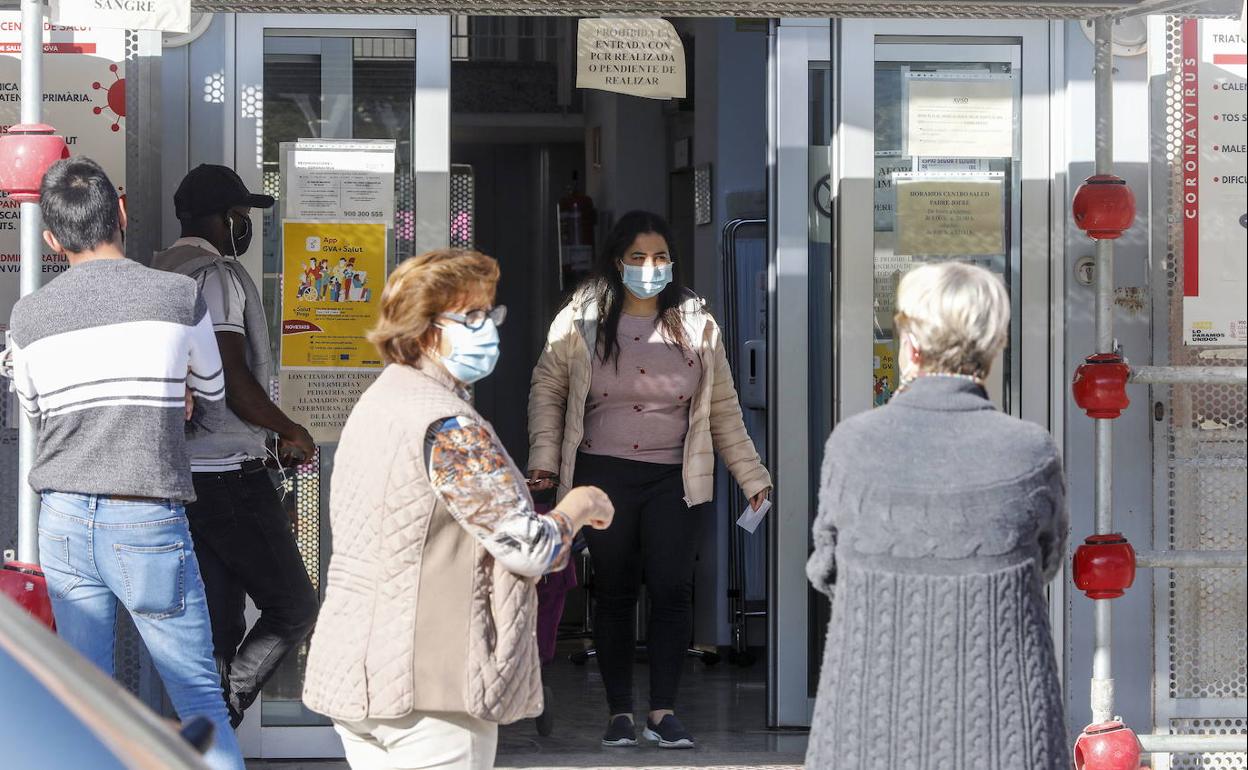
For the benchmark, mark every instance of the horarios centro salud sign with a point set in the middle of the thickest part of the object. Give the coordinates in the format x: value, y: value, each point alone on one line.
x: 638, y: 57
x: 84, y: 98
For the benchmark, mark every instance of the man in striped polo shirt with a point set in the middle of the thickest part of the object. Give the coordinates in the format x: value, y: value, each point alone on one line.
x: 104, y: 358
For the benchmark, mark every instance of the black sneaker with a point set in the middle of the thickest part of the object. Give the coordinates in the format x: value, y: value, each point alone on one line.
x: 620, y: 732
x: 669, y: 733
x: 231, y: 701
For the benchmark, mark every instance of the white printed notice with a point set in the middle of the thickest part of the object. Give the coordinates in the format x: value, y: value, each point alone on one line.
x: 340, y: 181
x: 160, y: 15
x: 84, y: 84
x: 1215, y: 182
x: 960, y: 116
x: 639, y: 57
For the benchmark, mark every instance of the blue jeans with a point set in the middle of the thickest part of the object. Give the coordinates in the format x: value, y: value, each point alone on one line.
x: 98, y: 550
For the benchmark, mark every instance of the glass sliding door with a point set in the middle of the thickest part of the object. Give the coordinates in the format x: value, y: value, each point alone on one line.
x: 312, y: 77
x: 908, y: 167
x: 883, y: 131
x: 946, y: 157
x: 801, y: 324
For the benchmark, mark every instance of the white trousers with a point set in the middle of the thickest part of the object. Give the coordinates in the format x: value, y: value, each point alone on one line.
x: 423, y: 739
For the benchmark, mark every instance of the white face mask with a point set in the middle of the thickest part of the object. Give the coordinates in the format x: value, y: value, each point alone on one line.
x: 646, y: 281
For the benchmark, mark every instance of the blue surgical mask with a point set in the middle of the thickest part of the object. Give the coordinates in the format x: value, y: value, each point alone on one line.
x: 646, y: 281
x: 473, y: 353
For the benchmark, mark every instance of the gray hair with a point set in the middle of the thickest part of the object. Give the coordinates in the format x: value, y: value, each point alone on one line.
x: 957, y: 314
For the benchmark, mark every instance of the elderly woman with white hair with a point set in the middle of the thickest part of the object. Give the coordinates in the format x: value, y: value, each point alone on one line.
x: 941, y: 520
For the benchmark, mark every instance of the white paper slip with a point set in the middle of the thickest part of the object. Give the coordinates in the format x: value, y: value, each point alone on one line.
x: 750, y: 520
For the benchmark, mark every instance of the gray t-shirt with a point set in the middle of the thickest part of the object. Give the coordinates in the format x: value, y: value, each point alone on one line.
x: 225, y: 449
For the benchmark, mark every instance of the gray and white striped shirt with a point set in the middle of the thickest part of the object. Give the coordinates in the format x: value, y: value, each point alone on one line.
x: 102, y: 359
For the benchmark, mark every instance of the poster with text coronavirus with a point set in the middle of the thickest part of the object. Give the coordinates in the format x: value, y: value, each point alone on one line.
x: 1215, y: 182
x: 84, y: 99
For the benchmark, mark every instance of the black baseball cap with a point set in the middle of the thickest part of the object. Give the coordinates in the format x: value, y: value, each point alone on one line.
x: 210, y: 189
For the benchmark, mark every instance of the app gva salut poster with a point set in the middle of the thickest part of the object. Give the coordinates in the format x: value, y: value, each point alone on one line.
x: 84, y: 98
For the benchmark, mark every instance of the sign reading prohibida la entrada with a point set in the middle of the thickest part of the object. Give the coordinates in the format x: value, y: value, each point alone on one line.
x: 161, y: 15
x: 639, y: 57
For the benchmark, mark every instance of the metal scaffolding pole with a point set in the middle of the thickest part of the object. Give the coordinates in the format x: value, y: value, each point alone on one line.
x: 1190, y: 375
x: 1193, y: 744
x: 1192, y: 559
x: 32, y: 248
x: 1102, y: 693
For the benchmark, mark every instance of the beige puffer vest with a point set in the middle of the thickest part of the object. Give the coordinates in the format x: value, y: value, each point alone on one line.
x: 417, y: 615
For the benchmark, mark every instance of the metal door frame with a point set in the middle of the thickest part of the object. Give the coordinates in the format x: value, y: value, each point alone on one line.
x: 796, y: 43
x: 431, y: 180
x: 859, y: 46
x: 850, y: 44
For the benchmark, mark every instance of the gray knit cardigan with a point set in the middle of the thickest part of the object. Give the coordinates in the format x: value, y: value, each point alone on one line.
x: 940, y: 522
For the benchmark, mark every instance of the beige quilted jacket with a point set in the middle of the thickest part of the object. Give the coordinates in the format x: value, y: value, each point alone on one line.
x: 417, y: 615
x: 560, y: 389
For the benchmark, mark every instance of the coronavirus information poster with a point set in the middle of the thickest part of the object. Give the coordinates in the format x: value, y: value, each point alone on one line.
x: 1215, y: 182
x: 84, y: 99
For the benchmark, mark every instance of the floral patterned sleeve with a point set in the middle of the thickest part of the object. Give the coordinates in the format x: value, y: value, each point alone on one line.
x: 478, y: 483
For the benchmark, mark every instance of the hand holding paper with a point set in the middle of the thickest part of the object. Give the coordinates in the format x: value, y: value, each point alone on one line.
x: 750, y: 520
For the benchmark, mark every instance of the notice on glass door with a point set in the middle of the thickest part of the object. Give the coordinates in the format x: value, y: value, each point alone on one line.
x: 960, y: 116
x: 950, y: 215
x: 340, y: 181
x: 1215, y: 182
x: 887, y: 167
x: 332, y: 276
x: 337, y: 211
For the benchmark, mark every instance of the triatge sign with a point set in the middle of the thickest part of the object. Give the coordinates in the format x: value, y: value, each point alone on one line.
x: 161, y: 15
x: 1215, y: 183
x: 639, y: 57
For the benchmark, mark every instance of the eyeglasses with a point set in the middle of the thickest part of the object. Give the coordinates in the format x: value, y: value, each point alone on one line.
x: 475, y: 319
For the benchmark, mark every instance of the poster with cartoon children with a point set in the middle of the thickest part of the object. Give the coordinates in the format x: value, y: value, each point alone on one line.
x: 328, y: 304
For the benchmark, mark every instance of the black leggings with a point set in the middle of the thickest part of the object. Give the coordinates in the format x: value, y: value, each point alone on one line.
x: 653, y: 533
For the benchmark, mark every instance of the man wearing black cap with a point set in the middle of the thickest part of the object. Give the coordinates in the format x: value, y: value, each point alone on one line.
x: 242, y: 536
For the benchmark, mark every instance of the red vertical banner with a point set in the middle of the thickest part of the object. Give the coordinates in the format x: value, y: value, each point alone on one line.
x: 1191, y: 158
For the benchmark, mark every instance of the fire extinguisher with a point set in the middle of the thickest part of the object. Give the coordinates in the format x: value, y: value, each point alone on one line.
x: 25, y: 584
x: 577, y: 217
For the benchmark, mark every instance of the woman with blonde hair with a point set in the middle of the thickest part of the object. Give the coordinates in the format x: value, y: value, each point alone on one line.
x: 941, y: 520
x: 426, y: 640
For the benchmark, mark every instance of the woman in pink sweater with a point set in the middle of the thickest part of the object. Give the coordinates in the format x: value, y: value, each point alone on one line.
x: 633, y: 394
